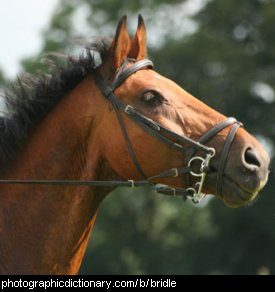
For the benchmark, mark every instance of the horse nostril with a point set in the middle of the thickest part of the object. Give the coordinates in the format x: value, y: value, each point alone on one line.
x: 251, y: 158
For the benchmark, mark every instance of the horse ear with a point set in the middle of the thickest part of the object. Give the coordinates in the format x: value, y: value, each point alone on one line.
x: 119, y: 48
x: 138, y: 49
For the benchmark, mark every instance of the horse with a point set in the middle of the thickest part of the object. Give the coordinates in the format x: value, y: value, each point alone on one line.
x: 69, y: 138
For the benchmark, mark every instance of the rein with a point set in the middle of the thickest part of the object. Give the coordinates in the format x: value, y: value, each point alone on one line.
x: 162, y: 134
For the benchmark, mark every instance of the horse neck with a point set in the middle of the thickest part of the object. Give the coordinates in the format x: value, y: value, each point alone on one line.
x: 45, y: 229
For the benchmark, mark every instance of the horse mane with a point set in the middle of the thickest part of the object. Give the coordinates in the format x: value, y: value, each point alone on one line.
x: 30, y: 98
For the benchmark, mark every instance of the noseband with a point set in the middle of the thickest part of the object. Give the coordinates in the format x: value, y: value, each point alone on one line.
x: 164, y: 135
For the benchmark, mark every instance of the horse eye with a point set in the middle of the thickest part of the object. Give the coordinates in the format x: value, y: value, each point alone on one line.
x: 152, y: 98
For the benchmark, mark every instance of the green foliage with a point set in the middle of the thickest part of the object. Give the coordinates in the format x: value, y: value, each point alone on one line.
x: 231, y: 52
x: 140, y: 232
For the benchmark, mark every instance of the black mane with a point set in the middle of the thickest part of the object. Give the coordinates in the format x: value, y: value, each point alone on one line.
x: 28, y: 100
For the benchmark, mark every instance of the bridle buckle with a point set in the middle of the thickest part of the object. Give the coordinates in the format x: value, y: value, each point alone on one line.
x: 128, y: 109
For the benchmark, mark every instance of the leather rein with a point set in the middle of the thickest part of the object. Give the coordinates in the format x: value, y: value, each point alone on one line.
x: 162, y: 134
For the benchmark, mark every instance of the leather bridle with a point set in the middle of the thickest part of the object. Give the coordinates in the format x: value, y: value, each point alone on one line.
x: 165, y: 136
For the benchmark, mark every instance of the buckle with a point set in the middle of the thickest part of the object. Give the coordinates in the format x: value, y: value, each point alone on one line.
x: 128, y: 109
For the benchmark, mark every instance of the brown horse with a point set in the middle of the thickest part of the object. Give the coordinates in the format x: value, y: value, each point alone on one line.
x: 63, y: 127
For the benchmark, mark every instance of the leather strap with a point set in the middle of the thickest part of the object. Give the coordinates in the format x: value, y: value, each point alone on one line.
x: 205, y: 138
x: 118, y: 105
x: 224, y: 156
x: 128, y: 143
x: 121, y: 77
x: 216, y: 129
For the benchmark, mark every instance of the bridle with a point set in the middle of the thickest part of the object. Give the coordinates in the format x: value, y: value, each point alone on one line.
x: 165, y: 136
x: 161, y: 133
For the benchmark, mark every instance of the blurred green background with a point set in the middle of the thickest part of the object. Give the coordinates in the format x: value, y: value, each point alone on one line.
x: 223, y: 52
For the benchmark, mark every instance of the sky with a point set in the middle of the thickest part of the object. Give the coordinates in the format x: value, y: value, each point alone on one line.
x: 21, y: 23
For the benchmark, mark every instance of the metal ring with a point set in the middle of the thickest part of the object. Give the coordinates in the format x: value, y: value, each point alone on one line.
x: 197, y: 200
x: 192, y: 190
x: 190, y: 162
x: 211, y: 152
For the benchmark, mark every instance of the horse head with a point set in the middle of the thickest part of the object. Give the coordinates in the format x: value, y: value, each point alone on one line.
x: 228, y: 162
